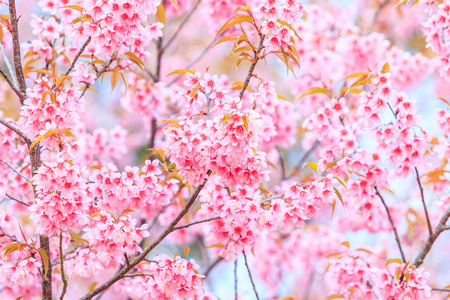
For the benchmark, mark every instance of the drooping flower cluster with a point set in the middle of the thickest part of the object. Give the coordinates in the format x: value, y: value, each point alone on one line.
x: 165, y: 278
x: 61, y: 202
x: 245, y: 212
x: 436, y: 33
x: 225, y: 145
x: 45, y: 110
x: 115, y: 25
x: 402, y: 282
x: 133, y: 189
x: 113, y: 237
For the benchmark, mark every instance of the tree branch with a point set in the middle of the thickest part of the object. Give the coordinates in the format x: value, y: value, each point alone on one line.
x: 63, y: 276
x: 16, y: 130
x: 432, y: 238
x: 16, y: 48
x: 16, y: 171
x: 147, y: 250
x: 196, y: 222
x: 17, y: 200
x: 78, y: 56
x: 235, y: 280
x: 430, y: 230
x: 397, y: 237
x: 215, y: 263
x: 304, y: 157
x: 252, y: 67
x: 184, y: 22
x: 250, y: 275
x: 15, y: 90
x: 9, y: 65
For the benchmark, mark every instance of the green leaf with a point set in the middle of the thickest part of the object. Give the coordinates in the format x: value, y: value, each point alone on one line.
x: 160, y: 153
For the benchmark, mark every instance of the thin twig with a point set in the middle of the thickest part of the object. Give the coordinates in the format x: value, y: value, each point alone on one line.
x: 147, y: 250
x: 252, y: 67
x: 17, y: 200
x: 138, y: 274
x: 282, y: 163
x: 192, y: 63
x: 394, y: 228
x: 250, y: 275
x: 235, y: 279
x: 63, y: 275
x: 308, y: 285
x: 304, y: 157
x: 440, y: 290
x: 78, y: 56
x: 16, y: 48
x: 271, y: 198
x: 16, y: 130
x: 16, y: 171
x: 9, y: 65
x: 213, y: 265
x: 184, y: 22
x: 196, y: 222
x: 98, y: 74
x: 432, y: 238
x: 430, y: 230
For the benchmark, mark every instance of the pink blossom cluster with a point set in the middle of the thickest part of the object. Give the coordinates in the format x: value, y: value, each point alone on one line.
x: 245, y: 211
x: 402, y: 282
x: 115, y: 25
x: 83, y: 263
x: 225, y: 145
x: 102, y: 146
x: 42, y: 112
x: 436, y: 33
x: 113, y: 237
x: 149, y: 100
x: 350, y: 276
x: 20, y: 266
x: 134, y: 188
x: 61, y: 202
x: 165, y: 278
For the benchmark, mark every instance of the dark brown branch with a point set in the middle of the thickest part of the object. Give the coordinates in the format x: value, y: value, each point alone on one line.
x: 15, y: 90
x: 14, y: 169
x: 147, y: 250
x: 250, y: 275
x: 184, y: 22
x: 252, y: 67
x: 430, y: 230
x: 196, y: 222
x: 63, y: 275
x: 394, y: 228
x: 16, y: 48
x: 17, y: 131
x: 17, y: 200
x: 138, y: 274
x: 78, y: 56
x: 432, y: 238
x: 98, y: 74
